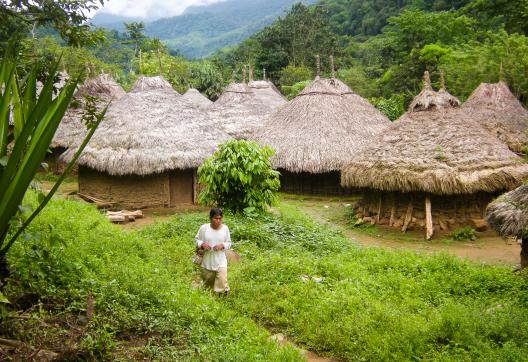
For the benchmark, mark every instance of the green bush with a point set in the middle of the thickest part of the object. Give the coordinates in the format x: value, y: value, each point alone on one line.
x: 292, y: 91
x: 239, y: 176
x: 392, y: 107
x: 465, y: 233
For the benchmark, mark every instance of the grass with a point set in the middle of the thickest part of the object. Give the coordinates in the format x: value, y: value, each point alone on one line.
x: 296, y: 277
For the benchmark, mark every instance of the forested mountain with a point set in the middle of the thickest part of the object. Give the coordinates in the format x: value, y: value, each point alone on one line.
x: 202, y: 30
x: 382, y: 48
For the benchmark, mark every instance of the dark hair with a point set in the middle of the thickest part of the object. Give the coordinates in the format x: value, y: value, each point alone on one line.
x: 215, y: 211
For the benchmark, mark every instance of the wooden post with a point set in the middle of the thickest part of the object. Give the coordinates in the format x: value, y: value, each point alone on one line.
x: 379, y: 209
x: 408, y: 216
x: 429, y: 230
x: 392, y: 211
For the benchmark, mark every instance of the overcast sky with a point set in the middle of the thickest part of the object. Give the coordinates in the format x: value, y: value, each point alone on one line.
x: 151, y: 8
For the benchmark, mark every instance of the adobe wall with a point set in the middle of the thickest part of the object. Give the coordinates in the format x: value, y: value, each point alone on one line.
x: 448, y: 212
x: 130, y: 191
x: 305, y: 183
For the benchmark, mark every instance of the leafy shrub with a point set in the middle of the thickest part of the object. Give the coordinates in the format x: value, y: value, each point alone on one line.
x: 465, y: 233
x: 292, y: 91
x: 392, y: 107
x: 292, y: 74
x: 239, y: 176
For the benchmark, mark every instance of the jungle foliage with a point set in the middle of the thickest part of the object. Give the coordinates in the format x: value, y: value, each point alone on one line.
x: 239, y: 177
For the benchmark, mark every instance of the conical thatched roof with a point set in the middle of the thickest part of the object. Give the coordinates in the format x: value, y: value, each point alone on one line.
x: 322, y: 128
x: 500, y: 112
x: 150, y: 131
x: 435, y: 149
x: 239, y: 112
x: 267, y: 93
x: 196, y: 99
x: 508, y: 214
x: 71, y: 130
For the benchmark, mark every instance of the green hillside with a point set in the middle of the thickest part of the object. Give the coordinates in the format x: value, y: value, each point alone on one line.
x: 202, y: 30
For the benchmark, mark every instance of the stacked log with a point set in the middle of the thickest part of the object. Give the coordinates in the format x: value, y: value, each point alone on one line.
x: 123, y: 216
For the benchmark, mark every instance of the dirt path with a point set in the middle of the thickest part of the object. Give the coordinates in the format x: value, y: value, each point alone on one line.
x: 488, y: 248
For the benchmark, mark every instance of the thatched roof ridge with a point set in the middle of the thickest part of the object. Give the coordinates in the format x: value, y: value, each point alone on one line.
x: 196, y: 99
x: 508, y: 214
x: 147, y: 83
x: 429, y: 99
x: 148, y: 132
x: 500, y: 112
x: 71, y: 130
x: 322, y: 128
x: 437, y: 150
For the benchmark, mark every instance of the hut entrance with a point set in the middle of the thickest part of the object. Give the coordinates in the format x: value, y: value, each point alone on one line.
x: 181, y: 187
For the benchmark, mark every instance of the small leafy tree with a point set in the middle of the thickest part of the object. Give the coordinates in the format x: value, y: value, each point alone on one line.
x: 239, y: 176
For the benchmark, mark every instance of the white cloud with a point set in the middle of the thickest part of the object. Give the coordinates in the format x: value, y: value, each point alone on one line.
x: 151, y: 8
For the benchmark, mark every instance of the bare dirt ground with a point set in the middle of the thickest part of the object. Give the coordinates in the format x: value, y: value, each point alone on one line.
x: 489, y: 247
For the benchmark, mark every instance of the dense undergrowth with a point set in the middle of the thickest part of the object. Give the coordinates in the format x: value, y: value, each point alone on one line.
x: 295, y: 277
x: 143, y: 309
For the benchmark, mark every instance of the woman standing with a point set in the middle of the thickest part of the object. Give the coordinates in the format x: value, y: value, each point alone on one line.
x: 214, y: 238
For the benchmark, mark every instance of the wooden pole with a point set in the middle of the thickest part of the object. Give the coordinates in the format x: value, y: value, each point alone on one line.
x: 392, y: 211
x: 429, y: 229
x: 379, y: 210
x: 408, y: 216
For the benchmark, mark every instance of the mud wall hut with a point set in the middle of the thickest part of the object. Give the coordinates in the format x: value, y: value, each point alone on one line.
x: 318, y: 133
x: 433, y: 169
x: 71, y: 130
x: 147, y: 150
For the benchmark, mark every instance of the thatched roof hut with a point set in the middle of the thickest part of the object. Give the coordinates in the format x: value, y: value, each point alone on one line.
x: 508, y: 214
x: 500, y: 112
x: 321, y: 130
x: 434, y: 150
x: 147, y: 149
x: 238, y: 111
x: 71, y: 130
x: 196, y: 99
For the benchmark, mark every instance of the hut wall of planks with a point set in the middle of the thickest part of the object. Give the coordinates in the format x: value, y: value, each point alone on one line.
x: 396, y: 208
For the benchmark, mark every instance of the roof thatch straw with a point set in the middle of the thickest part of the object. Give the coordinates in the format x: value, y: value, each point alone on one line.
x: 234, y: 93
x: 500, y: 112
x: 196, y: 99
x: 436, y: 149
x: 267, y: 93
x: 150, y: 131
x: 428, y: 98
x: 508, y: 214
x: 71, y: 130
x: 149, y: 83
x: 239, y: 112
x: 322, y: 128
